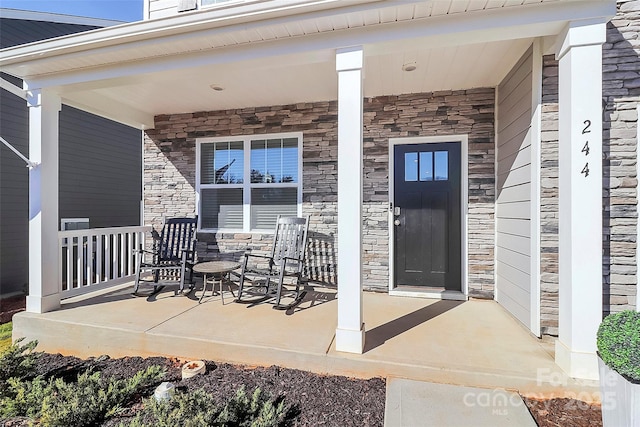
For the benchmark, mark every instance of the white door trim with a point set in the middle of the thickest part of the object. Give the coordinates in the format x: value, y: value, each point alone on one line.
x: 464, y: 195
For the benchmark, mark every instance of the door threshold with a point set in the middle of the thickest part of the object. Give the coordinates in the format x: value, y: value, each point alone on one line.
x: 434, y: 293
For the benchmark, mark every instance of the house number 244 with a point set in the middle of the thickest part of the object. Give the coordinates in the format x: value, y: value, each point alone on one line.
x: 585, y: 147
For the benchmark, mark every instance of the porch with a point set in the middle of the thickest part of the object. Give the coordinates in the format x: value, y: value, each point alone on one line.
x: 471, y: 343
x: 157, y: 76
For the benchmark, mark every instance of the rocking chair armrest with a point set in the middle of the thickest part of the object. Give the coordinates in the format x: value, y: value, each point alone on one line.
x: 247, y: 255
x: 144, y: 251
x: 289, y: 258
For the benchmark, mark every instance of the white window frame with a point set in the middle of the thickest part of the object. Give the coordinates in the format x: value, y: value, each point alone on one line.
x: 246, y: 181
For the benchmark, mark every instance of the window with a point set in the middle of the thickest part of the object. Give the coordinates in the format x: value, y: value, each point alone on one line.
x: 244, y: 183
x: 423, y: 170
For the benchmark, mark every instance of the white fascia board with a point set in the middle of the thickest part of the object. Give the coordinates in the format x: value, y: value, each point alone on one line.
x: 29, y: 15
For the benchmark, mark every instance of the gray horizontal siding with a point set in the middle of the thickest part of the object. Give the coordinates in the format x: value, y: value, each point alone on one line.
x: 14, y: 199
x: 513, y: 201
x: 100, y: 170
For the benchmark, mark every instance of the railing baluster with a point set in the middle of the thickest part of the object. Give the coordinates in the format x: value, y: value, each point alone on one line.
x: 69, y: 242
x: 76, y: 262
x: 99, y: 259
x: 89, y: 260
x: 121, y: 256
x: 114, y: 256
x: 129, y: 253
x: 60, y: 270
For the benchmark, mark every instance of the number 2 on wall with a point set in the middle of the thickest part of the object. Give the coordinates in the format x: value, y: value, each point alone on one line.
x: 587, y: 125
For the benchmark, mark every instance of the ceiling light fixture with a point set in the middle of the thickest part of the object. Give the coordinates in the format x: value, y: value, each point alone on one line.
x: 409, y: 66
x: 217, y: 88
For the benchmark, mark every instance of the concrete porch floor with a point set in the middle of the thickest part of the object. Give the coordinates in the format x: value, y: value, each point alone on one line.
x: 472, y: 343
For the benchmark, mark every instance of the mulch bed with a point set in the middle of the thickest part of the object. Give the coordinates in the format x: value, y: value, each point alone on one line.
x: 10, y: 306
x: 564, y: 413
x: 315, y: 400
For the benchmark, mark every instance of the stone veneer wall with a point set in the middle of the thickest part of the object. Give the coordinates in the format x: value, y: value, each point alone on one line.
x: 170, y: 173
x: 549, y: 199
x: 621, y: 93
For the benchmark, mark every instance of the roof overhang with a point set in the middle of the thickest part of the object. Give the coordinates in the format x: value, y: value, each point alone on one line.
x: 282, y: 51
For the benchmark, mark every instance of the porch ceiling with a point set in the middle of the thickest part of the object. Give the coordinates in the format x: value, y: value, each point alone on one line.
x: 286, y: 54
x: 301, y: 78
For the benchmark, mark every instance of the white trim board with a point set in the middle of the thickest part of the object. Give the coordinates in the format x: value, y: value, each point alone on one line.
x: 464, y: 232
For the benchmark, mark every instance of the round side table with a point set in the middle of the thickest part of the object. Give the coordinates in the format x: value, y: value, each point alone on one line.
x: 213, y: 271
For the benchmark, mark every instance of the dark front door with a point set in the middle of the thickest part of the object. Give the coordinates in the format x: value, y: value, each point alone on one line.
x: 426, y: 214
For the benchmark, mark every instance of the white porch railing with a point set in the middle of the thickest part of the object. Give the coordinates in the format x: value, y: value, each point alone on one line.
x: 97, y: 258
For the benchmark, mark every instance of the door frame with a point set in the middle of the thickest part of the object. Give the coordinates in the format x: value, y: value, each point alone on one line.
x: 464, y: 195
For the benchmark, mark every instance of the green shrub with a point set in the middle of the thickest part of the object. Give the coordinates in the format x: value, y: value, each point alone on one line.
x: 254, y: 411
x: 619, y: 343
x: 184, y: 409
x: 86, y: 402
x: 197, y: 409
x: 18, y: 361
x: 23, y: 398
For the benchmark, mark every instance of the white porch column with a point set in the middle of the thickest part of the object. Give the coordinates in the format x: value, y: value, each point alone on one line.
x: 580, y: 191
x: 350, y: 331
x: 43, y: 202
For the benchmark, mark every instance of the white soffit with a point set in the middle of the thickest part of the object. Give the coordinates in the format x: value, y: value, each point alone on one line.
x: 290, y: 79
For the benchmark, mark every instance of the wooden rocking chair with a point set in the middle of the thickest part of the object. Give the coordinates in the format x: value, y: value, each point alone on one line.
x: 286, y: 260
x: 172, y: 255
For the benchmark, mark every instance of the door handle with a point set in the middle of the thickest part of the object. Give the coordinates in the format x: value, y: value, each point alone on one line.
x: 396, y: 222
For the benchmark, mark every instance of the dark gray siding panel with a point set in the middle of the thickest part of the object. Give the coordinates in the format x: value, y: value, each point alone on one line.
x: 100, y: 170
x: 19, y: 31
x: 14, y: 200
